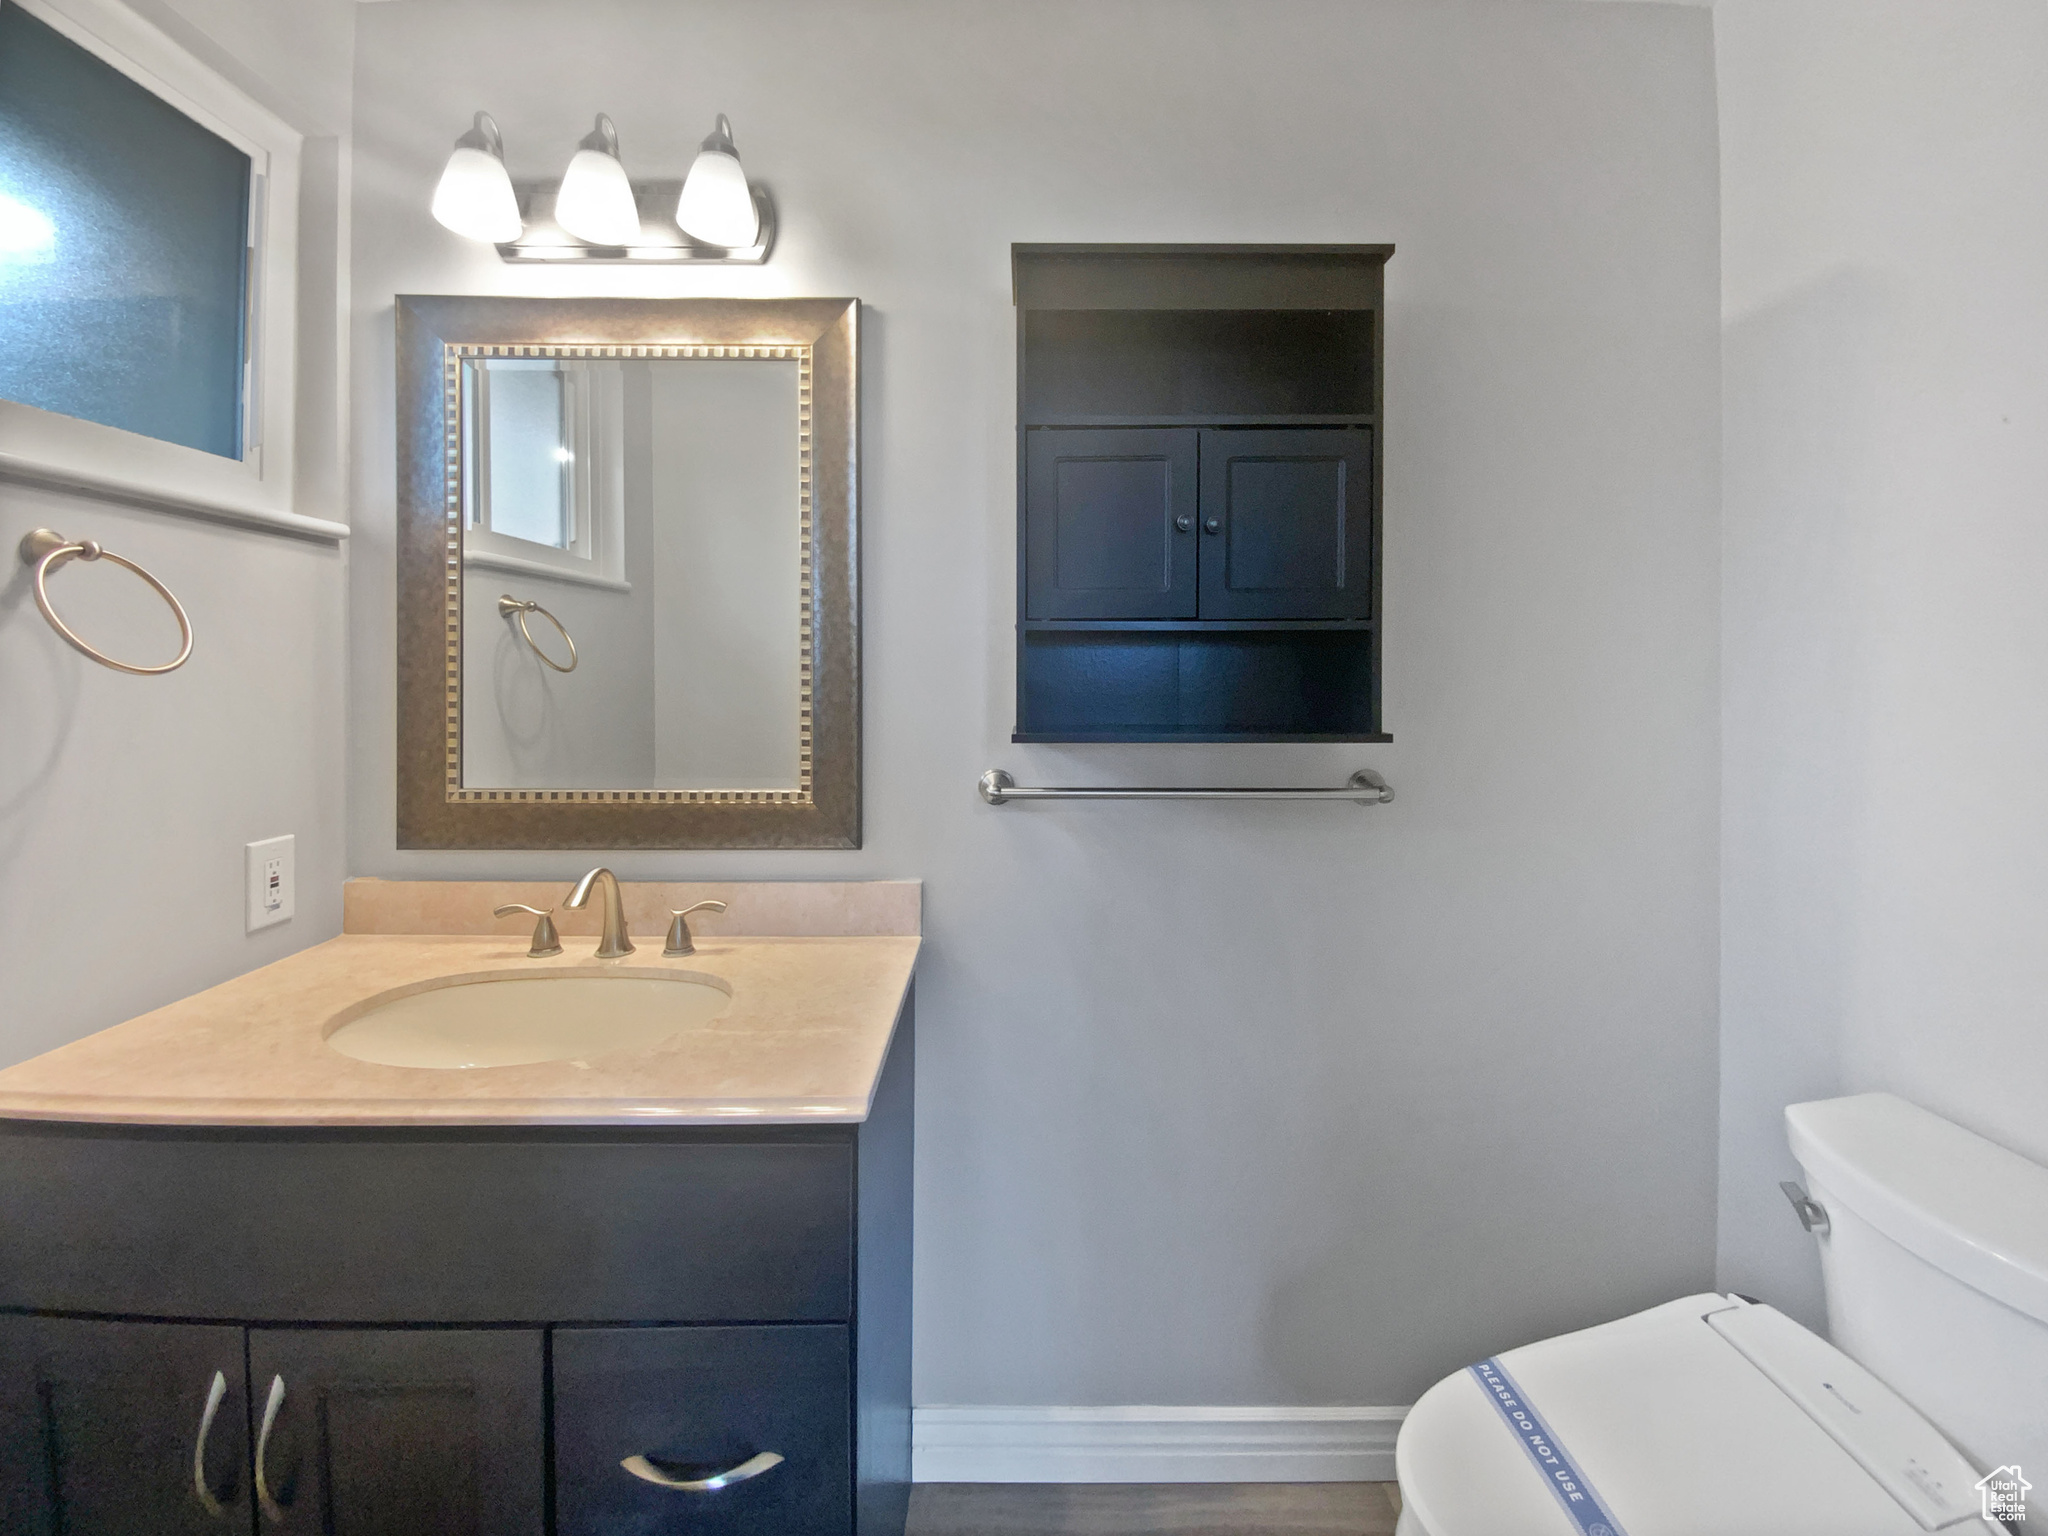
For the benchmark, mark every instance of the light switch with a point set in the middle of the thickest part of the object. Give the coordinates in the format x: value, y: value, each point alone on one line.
x: 270, y: 882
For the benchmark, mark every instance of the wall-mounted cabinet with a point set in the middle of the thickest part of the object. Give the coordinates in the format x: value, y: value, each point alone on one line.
x: 1199, y: 491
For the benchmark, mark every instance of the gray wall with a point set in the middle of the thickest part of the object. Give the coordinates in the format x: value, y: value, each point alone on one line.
x: 125, y: 801
x: 1886, y: 643
x: 1219, y: 1104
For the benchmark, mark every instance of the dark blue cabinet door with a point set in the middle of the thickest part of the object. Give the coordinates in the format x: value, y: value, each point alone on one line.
x: 401, y: 1432
x: 1287, y: 524
x: 1110, y: 523
x: 692, y: 1403
x: 100, y: 1429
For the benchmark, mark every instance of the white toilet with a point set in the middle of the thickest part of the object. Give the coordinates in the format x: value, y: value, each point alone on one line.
x: 1714, y: 1416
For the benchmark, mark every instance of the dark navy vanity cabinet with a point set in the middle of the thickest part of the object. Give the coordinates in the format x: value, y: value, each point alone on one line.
x: 464, y: 1331
x: 1199, y: 524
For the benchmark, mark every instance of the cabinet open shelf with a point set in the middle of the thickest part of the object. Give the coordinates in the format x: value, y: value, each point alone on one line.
x: 1203, y: 626
x: 1211, y: 419
x: 1197, y: 683
x: 1226, y: 738
x: 1201, y: 364
x: 1198, y: 493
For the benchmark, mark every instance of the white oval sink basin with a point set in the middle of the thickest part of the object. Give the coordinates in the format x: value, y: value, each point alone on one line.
x: 510, y: 1019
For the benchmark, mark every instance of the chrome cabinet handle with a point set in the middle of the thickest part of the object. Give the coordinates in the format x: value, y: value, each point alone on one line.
x: 1213, y: 525
x: 679, y: 940
x: 545, y: 940
x: 270, y: 1507
x: 753, y: 1466
x: 214, y: 1394
x: 1184, y: 523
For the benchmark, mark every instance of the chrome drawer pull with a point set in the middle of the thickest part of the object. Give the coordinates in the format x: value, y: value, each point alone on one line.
x: 214, y: 1394
x: 753, y: 1466
x: 269, y: 1505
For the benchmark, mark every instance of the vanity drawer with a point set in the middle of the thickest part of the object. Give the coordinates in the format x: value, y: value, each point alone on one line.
x: 443, y: 1227
x: 696, y: 1402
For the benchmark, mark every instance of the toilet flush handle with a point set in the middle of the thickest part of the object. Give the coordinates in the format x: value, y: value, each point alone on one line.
x: 1811, y: 1213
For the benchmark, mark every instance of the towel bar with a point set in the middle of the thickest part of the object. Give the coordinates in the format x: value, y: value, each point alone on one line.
x: 1363, y: 788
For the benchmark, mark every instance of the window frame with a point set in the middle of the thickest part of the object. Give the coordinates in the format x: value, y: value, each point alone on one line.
x: 69, y: 452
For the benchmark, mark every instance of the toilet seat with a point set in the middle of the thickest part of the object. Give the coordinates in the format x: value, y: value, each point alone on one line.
x: 1707, y: 1416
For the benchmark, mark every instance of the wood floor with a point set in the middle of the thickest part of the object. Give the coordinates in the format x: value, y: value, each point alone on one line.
x: 1153, y: 1509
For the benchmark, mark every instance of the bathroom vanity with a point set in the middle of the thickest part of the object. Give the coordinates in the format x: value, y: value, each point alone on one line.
x: 248, y: 1283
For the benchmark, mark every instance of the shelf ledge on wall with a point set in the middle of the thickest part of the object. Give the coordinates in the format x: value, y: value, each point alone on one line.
x: 110, y: 487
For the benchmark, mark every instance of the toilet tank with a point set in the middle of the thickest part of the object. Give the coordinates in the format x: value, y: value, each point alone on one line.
x: 1935, y: 1263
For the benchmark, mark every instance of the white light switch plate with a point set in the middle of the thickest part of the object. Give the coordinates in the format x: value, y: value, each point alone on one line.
x: 270, y: 882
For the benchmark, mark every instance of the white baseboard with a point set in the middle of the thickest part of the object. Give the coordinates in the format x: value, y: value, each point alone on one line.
x: 1153, y: 1445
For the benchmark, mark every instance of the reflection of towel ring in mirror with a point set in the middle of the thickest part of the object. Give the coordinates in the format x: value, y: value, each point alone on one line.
x: 47, y: 551
x: 508, y: 606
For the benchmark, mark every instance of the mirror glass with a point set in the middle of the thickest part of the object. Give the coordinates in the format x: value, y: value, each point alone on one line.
x: 634, y: 563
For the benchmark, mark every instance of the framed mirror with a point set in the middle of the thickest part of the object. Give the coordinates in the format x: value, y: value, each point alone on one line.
x: 628, y: 585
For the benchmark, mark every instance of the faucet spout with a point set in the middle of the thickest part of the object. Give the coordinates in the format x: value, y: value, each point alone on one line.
x: 616, y: 940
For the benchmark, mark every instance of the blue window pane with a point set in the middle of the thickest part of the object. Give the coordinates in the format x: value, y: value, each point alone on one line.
x: 123, y: 234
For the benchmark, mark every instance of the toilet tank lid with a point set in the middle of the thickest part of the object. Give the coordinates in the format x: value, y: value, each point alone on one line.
x: 1966, y: 1205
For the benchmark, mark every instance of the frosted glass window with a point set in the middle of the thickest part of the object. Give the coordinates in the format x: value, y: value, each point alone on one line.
x: 123, y: 248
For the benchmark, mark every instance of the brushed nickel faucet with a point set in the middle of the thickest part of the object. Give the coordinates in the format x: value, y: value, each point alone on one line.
x: 616, y: 941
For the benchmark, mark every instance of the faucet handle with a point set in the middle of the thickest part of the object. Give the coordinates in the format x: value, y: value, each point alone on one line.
x: 545, y: 940
x: 679, y: 940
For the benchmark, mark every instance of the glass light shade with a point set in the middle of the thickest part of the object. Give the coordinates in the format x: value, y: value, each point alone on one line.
x: 717, y: 206
x: 596, y: 203
x: 475, y: 198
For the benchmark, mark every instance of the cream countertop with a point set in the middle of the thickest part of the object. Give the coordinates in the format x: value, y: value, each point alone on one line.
x: 802, y: 1043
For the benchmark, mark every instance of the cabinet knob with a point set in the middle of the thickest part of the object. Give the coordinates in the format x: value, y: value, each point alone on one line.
x: 1183, y: 523
x: 1213, y: 525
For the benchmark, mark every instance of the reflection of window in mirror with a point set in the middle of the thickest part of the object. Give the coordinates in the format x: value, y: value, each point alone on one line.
x: 544, y: 452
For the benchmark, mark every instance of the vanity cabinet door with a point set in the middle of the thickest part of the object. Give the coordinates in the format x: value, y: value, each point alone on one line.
x: 687, y: 1405
x: 1287, y: 524
x: 1110, y: 524
x: 386, y: 1432
x: 117, y: 1429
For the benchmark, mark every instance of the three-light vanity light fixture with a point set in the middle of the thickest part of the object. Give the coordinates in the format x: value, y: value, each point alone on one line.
x: 597, y: 213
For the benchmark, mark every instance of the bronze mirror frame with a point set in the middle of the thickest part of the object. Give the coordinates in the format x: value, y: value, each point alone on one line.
x: 435, y: 810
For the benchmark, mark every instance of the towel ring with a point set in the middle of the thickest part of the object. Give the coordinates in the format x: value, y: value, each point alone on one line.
x: 508, y: 605
x: 47, y: 551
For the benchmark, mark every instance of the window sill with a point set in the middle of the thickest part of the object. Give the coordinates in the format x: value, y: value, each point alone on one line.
x: 498, y: 562
x: 112, y: 487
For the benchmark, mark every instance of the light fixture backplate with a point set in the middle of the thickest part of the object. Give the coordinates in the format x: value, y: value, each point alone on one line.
x: 663, y: 241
